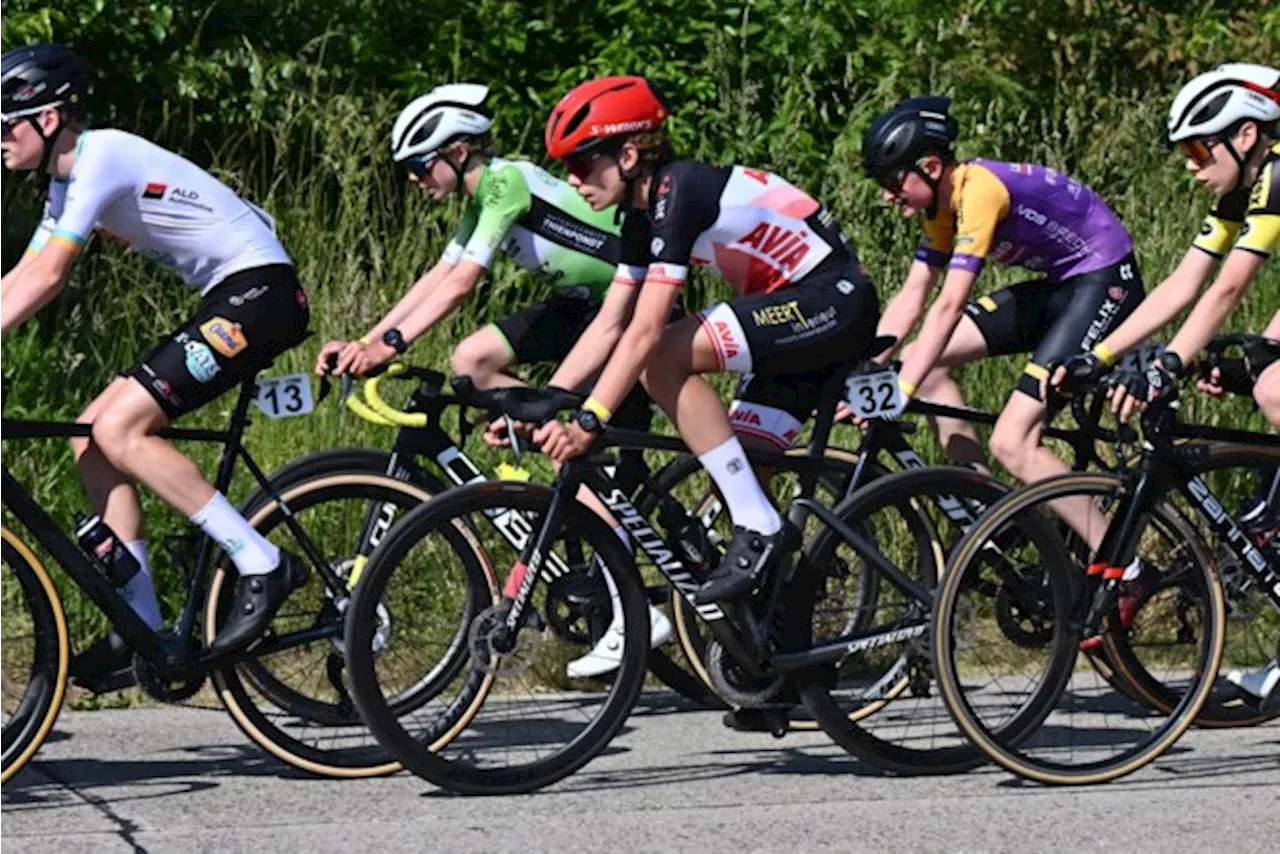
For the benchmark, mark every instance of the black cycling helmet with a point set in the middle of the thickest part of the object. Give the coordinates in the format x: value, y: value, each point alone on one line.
x: 43, y: 75
x: 898, y: 138
x: 38, y: 76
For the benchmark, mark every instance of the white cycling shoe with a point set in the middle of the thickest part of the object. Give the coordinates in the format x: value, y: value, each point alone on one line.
x: 606, y: 655
x: 1263, y: 683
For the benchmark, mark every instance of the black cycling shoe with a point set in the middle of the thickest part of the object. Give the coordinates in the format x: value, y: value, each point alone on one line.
x: 105, y: 665
x: 749, y: 556
x: 258, y: 597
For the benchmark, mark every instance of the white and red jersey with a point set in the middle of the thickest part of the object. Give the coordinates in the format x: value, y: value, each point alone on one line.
x: 756, y: 230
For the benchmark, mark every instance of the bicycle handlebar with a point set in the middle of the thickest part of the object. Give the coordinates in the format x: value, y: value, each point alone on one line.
x: 380, y: 408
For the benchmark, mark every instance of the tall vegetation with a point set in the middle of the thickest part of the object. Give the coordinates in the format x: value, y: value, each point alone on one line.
x: 290, y: 103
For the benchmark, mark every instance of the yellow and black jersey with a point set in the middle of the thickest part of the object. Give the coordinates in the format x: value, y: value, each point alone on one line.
x: 1247, y: 218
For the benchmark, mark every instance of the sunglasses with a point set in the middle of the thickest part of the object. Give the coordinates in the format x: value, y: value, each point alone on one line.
x: 1199, y: 151
x: 893, y: 181
x: 419, y: 167
x: 580, y: 165
x: 8, y: 120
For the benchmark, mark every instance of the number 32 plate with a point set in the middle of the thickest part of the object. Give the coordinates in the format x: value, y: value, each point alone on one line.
x: 875, y: 395
x: 285, y: 396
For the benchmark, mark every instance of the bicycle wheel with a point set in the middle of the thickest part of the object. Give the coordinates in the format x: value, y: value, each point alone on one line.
x: 685, y: 479
x: 537, y: 725
x: 296, y: 703
x: 878, y: 702
x: 34, y: 652
x: 1023, y: 699
x: 1173, y: 615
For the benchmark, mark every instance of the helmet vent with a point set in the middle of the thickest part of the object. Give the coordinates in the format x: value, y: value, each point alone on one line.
x: 577, y: 119
x: 424, y: 132
x: 1211, y: 109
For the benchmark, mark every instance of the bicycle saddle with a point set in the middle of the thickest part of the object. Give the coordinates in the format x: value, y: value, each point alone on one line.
x: 534, y: 405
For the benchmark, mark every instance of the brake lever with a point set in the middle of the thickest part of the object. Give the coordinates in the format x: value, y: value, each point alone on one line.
x: 513, y: 437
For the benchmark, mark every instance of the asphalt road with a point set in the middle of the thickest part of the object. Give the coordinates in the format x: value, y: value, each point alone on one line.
x: 185, y: 780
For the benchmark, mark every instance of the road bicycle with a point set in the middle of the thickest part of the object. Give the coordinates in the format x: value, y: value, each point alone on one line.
x: 287, y: 692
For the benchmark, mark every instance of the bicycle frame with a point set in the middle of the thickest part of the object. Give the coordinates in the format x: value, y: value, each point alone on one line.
x: 139, y: 636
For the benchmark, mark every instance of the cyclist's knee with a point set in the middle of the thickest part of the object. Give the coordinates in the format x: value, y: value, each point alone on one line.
x: 1013, y: 448
x: 472, y: 358
x: 1266, y: 391
x: 117, y: 431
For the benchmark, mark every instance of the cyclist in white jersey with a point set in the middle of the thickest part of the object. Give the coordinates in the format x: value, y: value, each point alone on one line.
x: 252, y: 309
x: 804, y: 304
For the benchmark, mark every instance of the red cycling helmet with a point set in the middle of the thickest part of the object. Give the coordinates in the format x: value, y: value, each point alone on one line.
x: 599, y: 110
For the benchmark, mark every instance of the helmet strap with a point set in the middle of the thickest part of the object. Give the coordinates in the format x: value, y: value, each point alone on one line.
x: 48, y: 141
x: 1242, y: 161
x: 932, y: 210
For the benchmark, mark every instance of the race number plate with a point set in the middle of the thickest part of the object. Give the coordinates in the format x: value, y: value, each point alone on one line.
x: 875, y: 395
x: 286, y: 396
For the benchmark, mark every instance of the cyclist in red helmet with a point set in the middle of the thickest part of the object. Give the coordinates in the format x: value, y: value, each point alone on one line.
x: 804, y: 304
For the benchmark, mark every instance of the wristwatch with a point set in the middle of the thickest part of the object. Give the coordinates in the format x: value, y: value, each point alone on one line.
x: 393, y: 339
x: 1171, y: 362
x: 589, y: 421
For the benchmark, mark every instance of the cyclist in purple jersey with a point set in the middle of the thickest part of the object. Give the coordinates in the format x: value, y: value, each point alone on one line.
x: 1018, y: 214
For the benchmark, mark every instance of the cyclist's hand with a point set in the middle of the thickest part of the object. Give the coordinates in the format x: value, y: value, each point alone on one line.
x: 497, y: 434
x: 327, y: 352
x: 844, y: 413
x: 367, y: 358
x: 1077, y: 373
x: 1135, y: 390
x: 1212, y: 384
x: 562, y: 443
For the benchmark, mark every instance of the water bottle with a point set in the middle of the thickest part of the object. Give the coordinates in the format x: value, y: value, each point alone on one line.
x: 104, y: 548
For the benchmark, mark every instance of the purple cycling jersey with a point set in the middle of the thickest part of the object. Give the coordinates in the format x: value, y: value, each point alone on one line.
x: 1023, y: 215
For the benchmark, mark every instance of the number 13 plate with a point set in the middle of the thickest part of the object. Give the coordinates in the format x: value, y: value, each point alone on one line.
x: 286, y: 396
x: 875, y: 395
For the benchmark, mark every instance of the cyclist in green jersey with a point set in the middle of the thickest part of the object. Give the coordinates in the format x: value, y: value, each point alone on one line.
x: 537, y: 221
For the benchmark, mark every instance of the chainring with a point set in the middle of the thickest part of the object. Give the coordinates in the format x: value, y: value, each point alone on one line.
x: 573, y: 608
x: 737, y: 688
x: 162, y: 687
x: 1024, y: 618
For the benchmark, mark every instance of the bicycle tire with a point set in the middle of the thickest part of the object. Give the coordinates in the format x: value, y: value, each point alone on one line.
x: 1006, y: 747
x: 460, y: 771
x: 28, y: 725
x: 885, y: 745
x: 238, y: 685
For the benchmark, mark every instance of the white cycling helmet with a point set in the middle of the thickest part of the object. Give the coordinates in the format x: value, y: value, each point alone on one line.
x: 436, y: 119
x: 1215, y: 101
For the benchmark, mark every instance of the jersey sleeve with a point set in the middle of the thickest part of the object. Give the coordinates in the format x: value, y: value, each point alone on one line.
x: 1222, y: 225
x: 685, y: 203
x: 45, y: 229
x: 503, y: 199
x: 936, y: 242
x: 982, y: 203
x: 96, y: 182
x: 453, y: 252
x: 633, y: 258
x: 1261, y: 231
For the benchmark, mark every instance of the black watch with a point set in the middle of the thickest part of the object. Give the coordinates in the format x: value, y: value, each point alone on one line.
x: 1171, y: 362
x: 589, y: 421
x: 393, y: 339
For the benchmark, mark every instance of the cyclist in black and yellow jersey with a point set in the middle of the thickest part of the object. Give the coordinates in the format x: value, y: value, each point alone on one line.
x: 1227, y: 123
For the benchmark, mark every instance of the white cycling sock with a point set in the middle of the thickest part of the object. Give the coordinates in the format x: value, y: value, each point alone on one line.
x: 253, y: 554
x: 1133, y: 570
x: 748, y: 505
x: 140, y: 591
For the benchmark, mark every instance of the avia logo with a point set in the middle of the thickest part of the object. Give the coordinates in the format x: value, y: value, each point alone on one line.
x: 725, y: 333
x: 742, y: 415
x: 154, y: 190
x: 787, y: 248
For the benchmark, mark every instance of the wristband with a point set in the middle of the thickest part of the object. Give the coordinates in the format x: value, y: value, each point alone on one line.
x: 364, y: 341
x: 598, y: 409
x: 908, y: 388
x: 1104, y: 354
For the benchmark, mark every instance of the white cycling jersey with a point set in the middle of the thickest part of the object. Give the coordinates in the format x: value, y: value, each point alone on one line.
x: 160, y: 205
